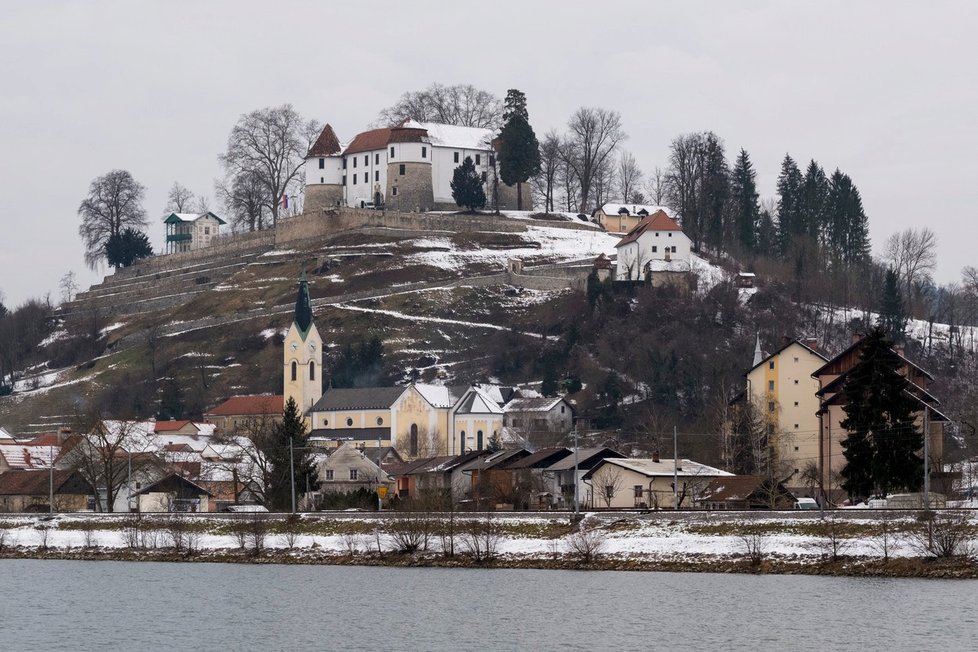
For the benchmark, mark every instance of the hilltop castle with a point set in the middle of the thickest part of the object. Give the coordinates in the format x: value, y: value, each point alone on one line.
x: 408, y: 167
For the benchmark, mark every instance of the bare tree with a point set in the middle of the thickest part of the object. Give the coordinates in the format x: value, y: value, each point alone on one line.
x: 594, y: 136
x: 271, y: 144
x: 629, y: 176
x: 608, y: 483
x: 912, y: 254
x: 180, y: 199
x: 114, y: 202
x: 245, y: 199
x: 684, y: 179
x: 69, y: 287
x: 462, y: 105
x: 587, y: 542
x: 656, y: 187
x: 545, y: 183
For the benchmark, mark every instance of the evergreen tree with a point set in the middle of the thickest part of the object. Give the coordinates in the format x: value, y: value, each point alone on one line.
x: 892, y: 319
x: 790, y: 223
x: 813, y: 202
x: 467, y: 187
x: 519, y: 151
x: 363, y: 365
x: 275, y: 448
x: 126, y: 247
x: 715, y: 191
x: 171, y: 401
x: 883, y: 439
x: 767, y: 236
x: 847, y: 233
x: 743, y: 200
x: 495, y: 443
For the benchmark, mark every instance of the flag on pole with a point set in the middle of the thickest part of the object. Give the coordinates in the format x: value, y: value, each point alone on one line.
x: 285, y: 202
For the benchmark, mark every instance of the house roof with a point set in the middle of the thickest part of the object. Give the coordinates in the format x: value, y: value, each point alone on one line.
x: 631, y: 209
x: 367, y: 141
x: 542, y: 404
x: 170, y: 426
x: 27, y: 456
x: 408, y: 135
x: 36, y: 482
x: 541, y: 459
x: 351, y: 434
x: 442, y: 135
x: 253, y: 404
x: 326, y: 145
x: 586, y: 458
x: 357, y: 398
x: 497, y: 459
x: 499, y: 393
x: 664, y: 467
x: 737, y: 488
x: 45, y: 439
x: 783, y: 348
x: 818, y: 372
x: 477, y: 401
x: 178, y: 218
x: 441, y: 396
x: 657, y: 221
x: 5, y: 434
x: 374, y: 454
x: 173, y: 482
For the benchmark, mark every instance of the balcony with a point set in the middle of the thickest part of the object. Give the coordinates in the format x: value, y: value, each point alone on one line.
x: 178, y: 237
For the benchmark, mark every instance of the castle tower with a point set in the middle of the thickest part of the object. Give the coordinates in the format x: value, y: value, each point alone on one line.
x: 409, y: 182
x: 324, y: 173
x: 303, y: 356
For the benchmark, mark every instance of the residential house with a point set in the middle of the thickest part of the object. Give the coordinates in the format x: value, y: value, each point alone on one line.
x: 622, y: 218
x: 30, y: 490
x: 539, y: 421
x: 492, y: 484
x: 746, y: 492
x: 173, y: 493
x: 832, y: 402
x: 348, y: 469
x: 530, y: 488
x: 561, y: 480
x: 243, y: 414
x: 191, y: 231
x: 629, y: 483
x: 656, y: 245
x: 440, y: 476
x: 23, y: 456
x: 782, y: 394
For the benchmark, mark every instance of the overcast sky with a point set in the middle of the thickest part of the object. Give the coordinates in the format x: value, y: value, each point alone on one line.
x: 885, y: 91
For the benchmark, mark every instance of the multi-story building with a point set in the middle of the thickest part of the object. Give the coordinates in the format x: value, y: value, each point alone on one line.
x: 189, y: 231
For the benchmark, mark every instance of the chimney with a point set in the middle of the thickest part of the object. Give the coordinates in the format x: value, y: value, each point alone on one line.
x: 812, y: 343
x: 655, y: 456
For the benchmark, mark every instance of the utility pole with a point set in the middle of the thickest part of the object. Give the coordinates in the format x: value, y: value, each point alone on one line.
x: 575, y: 472
x: 51, y: 480
x: 926, y: 461
x: 292, y: 474
x: 675, y: 468
x: 380, y: 472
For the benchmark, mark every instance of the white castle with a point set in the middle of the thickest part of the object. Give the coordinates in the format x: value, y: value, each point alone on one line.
x: 408, y: 167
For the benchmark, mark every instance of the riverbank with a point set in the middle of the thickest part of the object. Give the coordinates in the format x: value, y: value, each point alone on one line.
x: 858, y: 545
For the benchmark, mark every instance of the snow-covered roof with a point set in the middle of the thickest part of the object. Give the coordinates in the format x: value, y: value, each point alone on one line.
x: 542, y: 404
x: 440, y: 396
x: 5, y: 435
x: 479, y: 402
x: 173, y: 218
x: 442, y: 135
x: 665, y: 467
x: 21, y: 456
x: 634, y: 209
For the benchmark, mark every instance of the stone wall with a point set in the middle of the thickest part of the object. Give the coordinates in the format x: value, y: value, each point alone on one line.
x: 322, y: 195
x: 414, y: 191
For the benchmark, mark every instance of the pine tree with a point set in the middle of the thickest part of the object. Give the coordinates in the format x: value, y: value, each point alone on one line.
x: 467, y: 187
x: 790, y: 224
x: 743, y: 200
x: 813, y: 201
x: 767, y: 236
x: 126, y: 247
x: 715, y: 191
x: 519, y: 151
x: 275, y: 449
x: 892, y: 319
x: 847, y: 234
x: 883, y: 439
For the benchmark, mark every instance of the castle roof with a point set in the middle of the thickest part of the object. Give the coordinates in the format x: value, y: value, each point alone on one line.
x: 326, y: 145
x: 631, y: 209
x: 369, y: 140
x: 657, y: 221
x: 442, y: 135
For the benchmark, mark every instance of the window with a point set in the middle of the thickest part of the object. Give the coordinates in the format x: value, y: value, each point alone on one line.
x: 492, y: 160
x: 401, y: 169
x: 639, y: 490
x: 325, y: 422
x: 770, y: 365
x: 796, y: 403
x: 380, y: 421
x: 796, y: 449
x: 770, y: 428
x: 377, y: 175
x: 456, y: 157
x: 657, y: 235
x: 770, y: 385
x: 344, y: 163
x: 295, y: 370
x: 424, y: 152
x: 796, y: 360
x: 478, y: 440
x: 394, y: 191
x: 413, y: 443
x: 478, y: 159
x: 329, y: 474
x: 392, y: 152
x: 322, y: 163
x: 366, y: 159
x: 561, y: 409
x: 461, y: 442
x: 322, y: 180
x: 354, y: 161
x: 312, y: 370
x: 796, y: 381
x: 770, y: 407
x: 376, y: 159
x: 349, y: 421
x: 655, y: 249
x: 670, y: 234
x: 673, y: 248
x: 483, y: 177
x: 354, y: 179
x: 353, y: 474
x: 207, y: 230
x: 796, y: 428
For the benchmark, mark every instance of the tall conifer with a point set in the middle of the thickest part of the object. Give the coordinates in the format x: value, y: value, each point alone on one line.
x: 743, y: 200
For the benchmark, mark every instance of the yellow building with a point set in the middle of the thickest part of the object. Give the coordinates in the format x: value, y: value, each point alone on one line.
x: 303, y: 355
x: 622, y: 218
x: 782, y: 390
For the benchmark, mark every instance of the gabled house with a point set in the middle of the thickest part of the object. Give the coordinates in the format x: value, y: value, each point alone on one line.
x: 629, y: 483
x: 348, y: 469
x: 190, y: 231
x: 530, y: 488
x: 745, y: 492
x: 240, y: 414
x: 539, y: 421
x: 622, y: 218
x: 656, y: 244
x: 560, y: 478
x: 173, y: 493
x: 30, y: 491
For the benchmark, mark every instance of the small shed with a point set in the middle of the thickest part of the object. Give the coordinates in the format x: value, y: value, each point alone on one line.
x: 746, y: 492
x: 173, y: 493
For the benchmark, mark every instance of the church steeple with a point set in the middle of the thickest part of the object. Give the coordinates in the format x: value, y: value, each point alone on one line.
x: 758, y: 355
x: 303, y: 307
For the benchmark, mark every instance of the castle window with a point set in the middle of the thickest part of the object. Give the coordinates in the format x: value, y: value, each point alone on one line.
x: 424, y: 152
x: 295, y: 370
x: 321, y: 180
x: 402, y: 169
x: 349, y: 421
x: 354, y: 161
x: 377, y: 175
x: 376, y: 159
x: 344, y: 179
x: 312, y: 370
x: 673, y: 248
x: 354, y: 179
x: 492, y: 159
x: 484, y: 177
x: 366, y: 159
x: 322, y: 163
x: 344, y: 162
x: 392, y: 152
x: 394, y: 191
x: 478, y: 159
x: 456, y: 157
x: 670, y: 234
x: 655, y: 249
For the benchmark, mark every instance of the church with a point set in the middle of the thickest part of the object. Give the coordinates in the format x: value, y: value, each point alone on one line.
x: 407, y: 167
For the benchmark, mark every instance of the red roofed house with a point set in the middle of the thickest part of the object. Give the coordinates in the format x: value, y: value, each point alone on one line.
x: 239, y: 413
x: 406, y: 167
x: 657, y: 243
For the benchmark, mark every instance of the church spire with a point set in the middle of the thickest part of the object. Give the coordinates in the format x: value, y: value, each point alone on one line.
x: 758, y: 355
x: 303, y: 307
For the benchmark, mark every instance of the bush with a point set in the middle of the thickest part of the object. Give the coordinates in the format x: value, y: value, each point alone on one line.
x: 586, y: 543
x: 481, y: 538
x: 944, y: 535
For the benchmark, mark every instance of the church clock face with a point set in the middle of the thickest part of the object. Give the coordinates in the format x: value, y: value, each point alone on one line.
x: 312, y: 346
x: 295, y: 347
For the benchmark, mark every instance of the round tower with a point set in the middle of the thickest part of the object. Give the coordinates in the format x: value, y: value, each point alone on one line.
x: 324, y: 173
x: 409, y: 186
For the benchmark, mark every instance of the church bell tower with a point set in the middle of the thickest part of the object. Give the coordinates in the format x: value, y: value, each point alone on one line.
x: 303, y: 354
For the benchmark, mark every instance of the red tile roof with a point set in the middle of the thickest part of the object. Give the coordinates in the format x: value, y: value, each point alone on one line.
x: 45, y: 439
x: 252, y: 404
x: 657, y: 221
x: 407, y: 135
x: 369, y: 140
x: 326, y: 145
x: 170, y: 426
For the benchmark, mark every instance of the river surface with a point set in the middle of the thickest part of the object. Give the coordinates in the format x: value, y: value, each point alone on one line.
x: 81, y: 605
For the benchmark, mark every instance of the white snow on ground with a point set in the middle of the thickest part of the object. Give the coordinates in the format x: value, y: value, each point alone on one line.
x: 111, y: 327
x: 568, y: 217
x: 278, y: 252
x: 334, y: 278
x: 433, y: 320
x: 269, y: 333
x: 56, y: 336
x: 918, y: 329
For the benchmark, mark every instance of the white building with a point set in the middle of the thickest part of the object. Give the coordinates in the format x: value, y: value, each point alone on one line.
x: 657, y: 243
x: 408, y: 167
x: 189, y: 231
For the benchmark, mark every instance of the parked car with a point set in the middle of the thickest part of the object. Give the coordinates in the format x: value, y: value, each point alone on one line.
x: 806, y: 503
x: 244, y: 509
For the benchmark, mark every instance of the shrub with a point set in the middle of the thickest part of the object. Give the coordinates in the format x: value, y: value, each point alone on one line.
x: 587, y: 542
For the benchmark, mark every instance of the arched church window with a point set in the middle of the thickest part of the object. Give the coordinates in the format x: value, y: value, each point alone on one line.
x: 295, y: 371
x: 414, y: 439
x: 478, y: 440
x: 312, y: 370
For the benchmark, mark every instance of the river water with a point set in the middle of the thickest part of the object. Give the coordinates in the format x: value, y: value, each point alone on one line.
x: 78, y: 605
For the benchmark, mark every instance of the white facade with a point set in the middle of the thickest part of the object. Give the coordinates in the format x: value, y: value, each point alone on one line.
x: 191, y: 231
x: 654, y: 251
